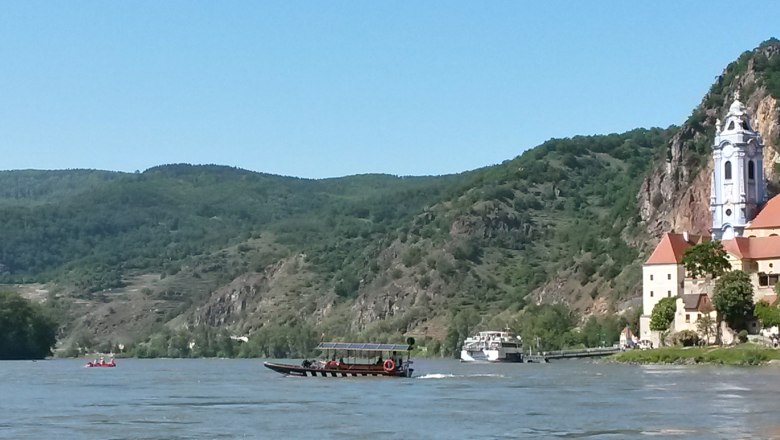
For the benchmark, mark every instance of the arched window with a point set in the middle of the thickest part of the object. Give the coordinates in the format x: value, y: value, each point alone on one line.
x: 751, y: 170
x: 727, y: 170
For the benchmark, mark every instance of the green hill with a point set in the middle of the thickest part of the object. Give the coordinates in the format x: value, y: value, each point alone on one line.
x: 481, y: 241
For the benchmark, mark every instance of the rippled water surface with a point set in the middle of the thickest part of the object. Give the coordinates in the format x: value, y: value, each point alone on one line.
x: 186, y: 399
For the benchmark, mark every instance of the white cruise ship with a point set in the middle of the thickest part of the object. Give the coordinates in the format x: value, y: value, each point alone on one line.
x: 492, y: 346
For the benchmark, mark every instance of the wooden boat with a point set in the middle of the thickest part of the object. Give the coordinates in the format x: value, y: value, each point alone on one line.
x: 363, y: 360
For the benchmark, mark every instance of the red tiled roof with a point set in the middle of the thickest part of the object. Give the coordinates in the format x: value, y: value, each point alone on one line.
x: 754, y: 248
x: 769, y: 217
x: 672, y: 247
x: 737, y: 246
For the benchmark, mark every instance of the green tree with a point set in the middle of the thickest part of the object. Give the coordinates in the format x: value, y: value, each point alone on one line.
x: 225, y: 345
x: 708, y: 258
x: 768, y: 315
x: 546, y: 327
x: 663, y: 314
x: 462, y: 325
x: 601, y: 331
x: 631, y: 319
x: 26, y: 332
x: 706, y: 327
x: 733, y: 298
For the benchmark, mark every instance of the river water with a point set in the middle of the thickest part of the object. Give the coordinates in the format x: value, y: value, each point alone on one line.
x: 221, y: 398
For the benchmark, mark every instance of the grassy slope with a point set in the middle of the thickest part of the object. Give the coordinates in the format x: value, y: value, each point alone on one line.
x: 743, y: 354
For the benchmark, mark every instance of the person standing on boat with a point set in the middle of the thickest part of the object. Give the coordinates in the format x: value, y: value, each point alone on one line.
x: 397, y: 360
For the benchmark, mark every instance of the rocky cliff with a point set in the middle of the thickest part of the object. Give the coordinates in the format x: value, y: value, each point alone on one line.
x: 675, y: 196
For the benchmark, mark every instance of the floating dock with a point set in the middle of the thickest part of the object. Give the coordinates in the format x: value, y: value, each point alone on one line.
x: 569, y: 354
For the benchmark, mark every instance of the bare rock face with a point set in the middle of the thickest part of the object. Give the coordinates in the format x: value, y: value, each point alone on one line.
x: 675, y: 196
x: 767, y: 120
x: 255, y: 297
x: 395, y: 292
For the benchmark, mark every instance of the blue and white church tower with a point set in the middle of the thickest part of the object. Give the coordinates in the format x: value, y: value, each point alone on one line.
x: 738, y: 187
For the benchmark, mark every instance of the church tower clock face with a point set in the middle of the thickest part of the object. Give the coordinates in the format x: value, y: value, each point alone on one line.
x: 728, y: 150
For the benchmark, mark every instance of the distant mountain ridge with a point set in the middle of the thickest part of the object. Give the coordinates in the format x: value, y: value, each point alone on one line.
x: 200, y: 252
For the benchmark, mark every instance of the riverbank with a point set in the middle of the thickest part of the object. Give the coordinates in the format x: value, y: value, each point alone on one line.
x: 743, y: 354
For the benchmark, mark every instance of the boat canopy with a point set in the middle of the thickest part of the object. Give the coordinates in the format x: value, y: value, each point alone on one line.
x: 362, y: 346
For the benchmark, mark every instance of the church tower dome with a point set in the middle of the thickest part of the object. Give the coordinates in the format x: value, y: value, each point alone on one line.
x: 738, y: 187
x: 737, y: 107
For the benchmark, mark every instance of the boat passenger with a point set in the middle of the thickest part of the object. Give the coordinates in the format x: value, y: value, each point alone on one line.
x: 379, y: 361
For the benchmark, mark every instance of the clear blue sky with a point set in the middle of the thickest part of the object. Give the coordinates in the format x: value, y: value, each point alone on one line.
x: 332, y: 88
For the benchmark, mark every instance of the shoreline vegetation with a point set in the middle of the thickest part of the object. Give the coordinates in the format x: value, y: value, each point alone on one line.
x: 739, y: 355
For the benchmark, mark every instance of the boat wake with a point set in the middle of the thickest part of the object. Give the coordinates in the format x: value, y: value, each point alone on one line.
x: 457, y: 376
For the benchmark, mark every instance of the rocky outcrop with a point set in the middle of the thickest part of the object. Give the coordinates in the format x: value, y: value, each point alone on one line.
x: 397, y: 289
x: 255, y: 298
x: 766, y: 119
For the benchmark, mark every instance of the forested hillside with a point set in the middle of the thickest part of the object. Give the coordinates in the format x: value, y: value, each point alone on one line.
x: 476, y: 244
x: 93, y: 228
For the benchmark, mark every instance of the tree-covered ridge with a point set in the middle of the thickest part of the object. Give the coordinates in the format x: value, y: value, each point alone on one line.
x: 148, y: 220
x: 26, y: 187
x: 569, y: 203
x: 543, y: 210
x: 559, y: 220
x: 481, y: 241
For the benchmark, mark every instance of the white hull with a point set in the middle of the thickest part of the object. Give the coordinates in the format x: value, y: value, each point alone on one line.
x: 489, y: 356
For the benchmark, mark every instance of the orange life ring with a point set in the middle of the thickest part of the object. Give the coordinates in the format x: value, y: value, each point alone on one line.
x: 389, y: 366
